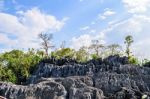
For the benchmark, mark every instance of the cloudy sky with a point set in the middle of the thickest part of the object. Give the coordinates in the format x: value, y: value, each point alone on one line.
x: 75, y: 21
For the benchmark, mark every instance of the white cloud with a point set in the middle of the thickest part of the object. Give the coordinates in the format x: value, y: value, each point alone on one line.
x: 107, y: 13
x: 83, y: 40
x: 141, y: 48
x: 5, y: 40
x: 86, y: 40
x: 92, y: 31
x: 27, y: 25
x: 31, y: 19
x: 137, y: 6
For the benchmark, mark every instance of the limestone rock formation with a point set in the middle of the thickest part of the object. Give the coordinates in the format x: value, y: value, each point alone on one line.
x: 43, y: 90
x: 110, y: 78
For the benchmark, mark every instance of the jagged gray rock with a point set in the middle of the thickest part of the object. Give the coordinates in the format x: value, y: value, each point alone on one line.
x: 111, y: 78
x: 42, y: 90
x: 52, y: 88
x: 112, y: 83
x: 50, y: 70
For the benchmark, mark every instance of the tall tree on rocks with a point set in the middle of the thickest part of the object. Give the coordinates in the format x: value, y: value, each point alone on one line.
x: 46, y: 42
x: 128, y: 42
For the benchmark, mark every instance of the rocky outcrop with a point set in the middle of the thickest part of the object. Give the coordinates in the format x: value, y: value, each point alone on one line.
x: 52, y: 88
x: 110, y: 78
x: 112, y: 64
x: 114, y: 84
x: 42, y: 90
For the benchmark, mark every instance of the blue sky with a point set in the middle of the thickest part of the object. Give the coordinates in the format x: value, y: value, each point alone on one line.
x: 75, y: 21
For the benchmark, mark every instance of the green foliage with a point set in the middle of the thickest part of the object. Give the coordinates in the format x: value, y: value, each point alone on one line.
x: 94, y: 56
x: 128, y: 42
x: 40, y: 53
x: 82, y: 55
x: 145, y: 61
x: 7, y: 74
x: 16, y: 66
x: 64, y: 52
x: 133, y: 60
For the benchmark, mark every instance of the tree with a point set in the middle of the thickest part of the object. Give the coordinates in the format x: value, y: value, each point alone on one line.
x: 40, y: 53
x: 46, y: 42
x: 82, y: 55
x: 96, y: 46
x: 133, y: 60
x: 62, y: 45
x: 62, y: 53
x: 128, y: 42
x: 94, y: 56
x: 114, y: 49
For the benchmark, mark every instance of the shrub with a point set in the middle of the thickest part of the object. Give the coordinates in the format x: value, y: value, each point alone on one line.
x: 133, y: 60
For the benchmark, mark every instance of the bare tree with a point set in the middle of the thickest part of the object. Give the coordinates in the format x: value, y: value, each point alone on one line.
x: 96, y: 46
x: 46, y: 41
x: 63, y: 44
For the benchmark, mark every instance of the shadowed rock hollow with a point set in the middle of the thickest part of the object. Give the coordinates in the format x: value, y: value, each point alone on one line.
x: 110, y: 78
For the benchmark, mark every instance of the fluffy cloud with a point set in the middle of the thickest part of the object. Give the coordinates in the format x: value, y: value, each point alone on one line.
x: 4, y: 39
x: 137, y: 6
x: 107, y: 13
x: 26, y: 26
x: 86, y: 40
x: 83, y: 40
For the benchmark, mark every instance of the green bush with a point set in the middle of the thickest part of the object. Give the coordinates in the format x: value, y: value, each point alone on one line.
x: 94, y: 56
x: 16, y: 66
x: 133, y: 60
x: 64, y: 52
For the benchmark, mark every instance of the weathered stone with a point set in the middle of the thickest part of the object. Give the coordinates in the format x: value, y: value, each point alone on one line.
x: 110, y: 78
x: 42, y: 90
x: 111, y: 83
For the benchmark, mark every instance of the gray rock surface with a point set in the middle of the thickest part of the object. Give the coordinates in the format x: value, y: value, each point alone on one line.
x: 53, y: 88
x: 111, y: 78
x: 42, y: 90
